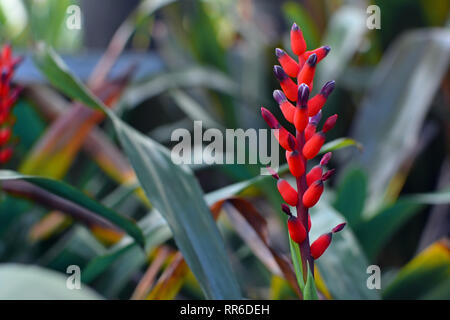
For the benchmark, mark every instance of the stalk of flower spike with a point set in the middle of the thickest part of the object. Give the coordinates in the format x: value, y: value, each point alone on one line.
x: 8, y: 97
x: 306, y: 144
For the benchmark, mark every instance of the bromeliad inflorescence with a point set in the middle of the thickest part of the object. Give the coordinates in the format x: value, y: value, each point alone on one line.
x: 305, y: 115
x: 8, y: 97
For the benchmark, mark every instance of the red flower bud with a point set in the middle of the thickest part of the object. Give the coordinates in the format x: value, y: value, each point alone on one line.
x: 295, y: 162
x: 285, y: 209
x: 298, y: 43
x: 296, y: 229
x: 316, y: 103
x: 312, y: 194
x: 306, y: 74
x: 5, y: 135
x: 313, y: 145
x: 328, y: 174
x: 287, y: 108
x: 287, y: 63
x: 339, y: 227
x: 313, y: 175
x: 282, y: 135
x: 5, y: 155
x: 288, y: 193
x: 329, y: 123
x: 321, y: 53
x: 319, y: 246
x: 325, y: 159
x: 310, y: 130
x: 301, y: 113
x: 287, y: 85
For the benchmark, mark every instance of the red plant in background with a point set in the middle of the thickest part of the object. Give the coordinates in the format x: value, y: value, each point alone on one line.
x: 8, y: 96
x: 305, y: 115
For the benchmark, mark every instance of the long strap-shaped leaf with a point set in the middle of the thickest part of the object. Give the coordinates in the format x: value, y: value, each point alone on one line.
x: 171, y: 189
x: 67, y: 192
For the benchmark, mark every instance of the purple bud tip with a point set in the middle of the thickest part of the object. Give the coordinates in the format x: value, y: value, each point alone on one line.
x: 295, y: 27
x: 279, y: 96
x: 328, y: 174
x: 328, y: 88
x: 270, y: 119
x: 339, y: 227
x: 279, y: 53
x: 273, y: 173
x: 286, y: 209
x: 325, y: 159
x: 312, y: 60
x: 279, y: 73
x: 316, y: 119
x: 327, y: 49
x: 303, y: 95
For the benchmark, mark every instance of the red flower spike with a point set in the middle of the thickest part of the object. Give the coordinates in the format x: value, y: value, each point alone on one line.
x: 319, y: 246
x: 312, y: 194
x: 287, y: 108
x: 306, y: 74
x: 309, y: 222
x: 287, y: 85
x: 5, y: 155
x: 5, y: 135
x: 316, y: 103
x: 313, y: 175
x: 296, y: 229
x: 329, y: 123
x: 301, y: 113
x: 321, y: 53
x: 298, y: 43
x: 288, y: 193
x: 339, y: 227
x: 313, y: 145
x: 295, y: 162
x: 8, y: 96
x: 287, y: 63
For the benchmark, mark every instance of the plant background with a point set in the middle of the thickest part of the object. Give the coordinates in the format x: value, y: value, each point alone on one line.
x: 211, y: 61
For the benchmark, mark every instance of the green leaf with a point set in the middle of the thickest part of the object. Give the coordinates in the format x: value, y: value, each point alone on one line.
x: 173, y: 190
x: 419, y: 60
x: 310, y: 291
x: 297, y: 261
x: 343, y: 266
x: 339, y: 143
x: 67, y: 192
x: 53, y: 67
x: 351, y: 196
x: 156, y: 231
x: 21, y: 282
x: 425, y: 277
x: 376, y: 230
